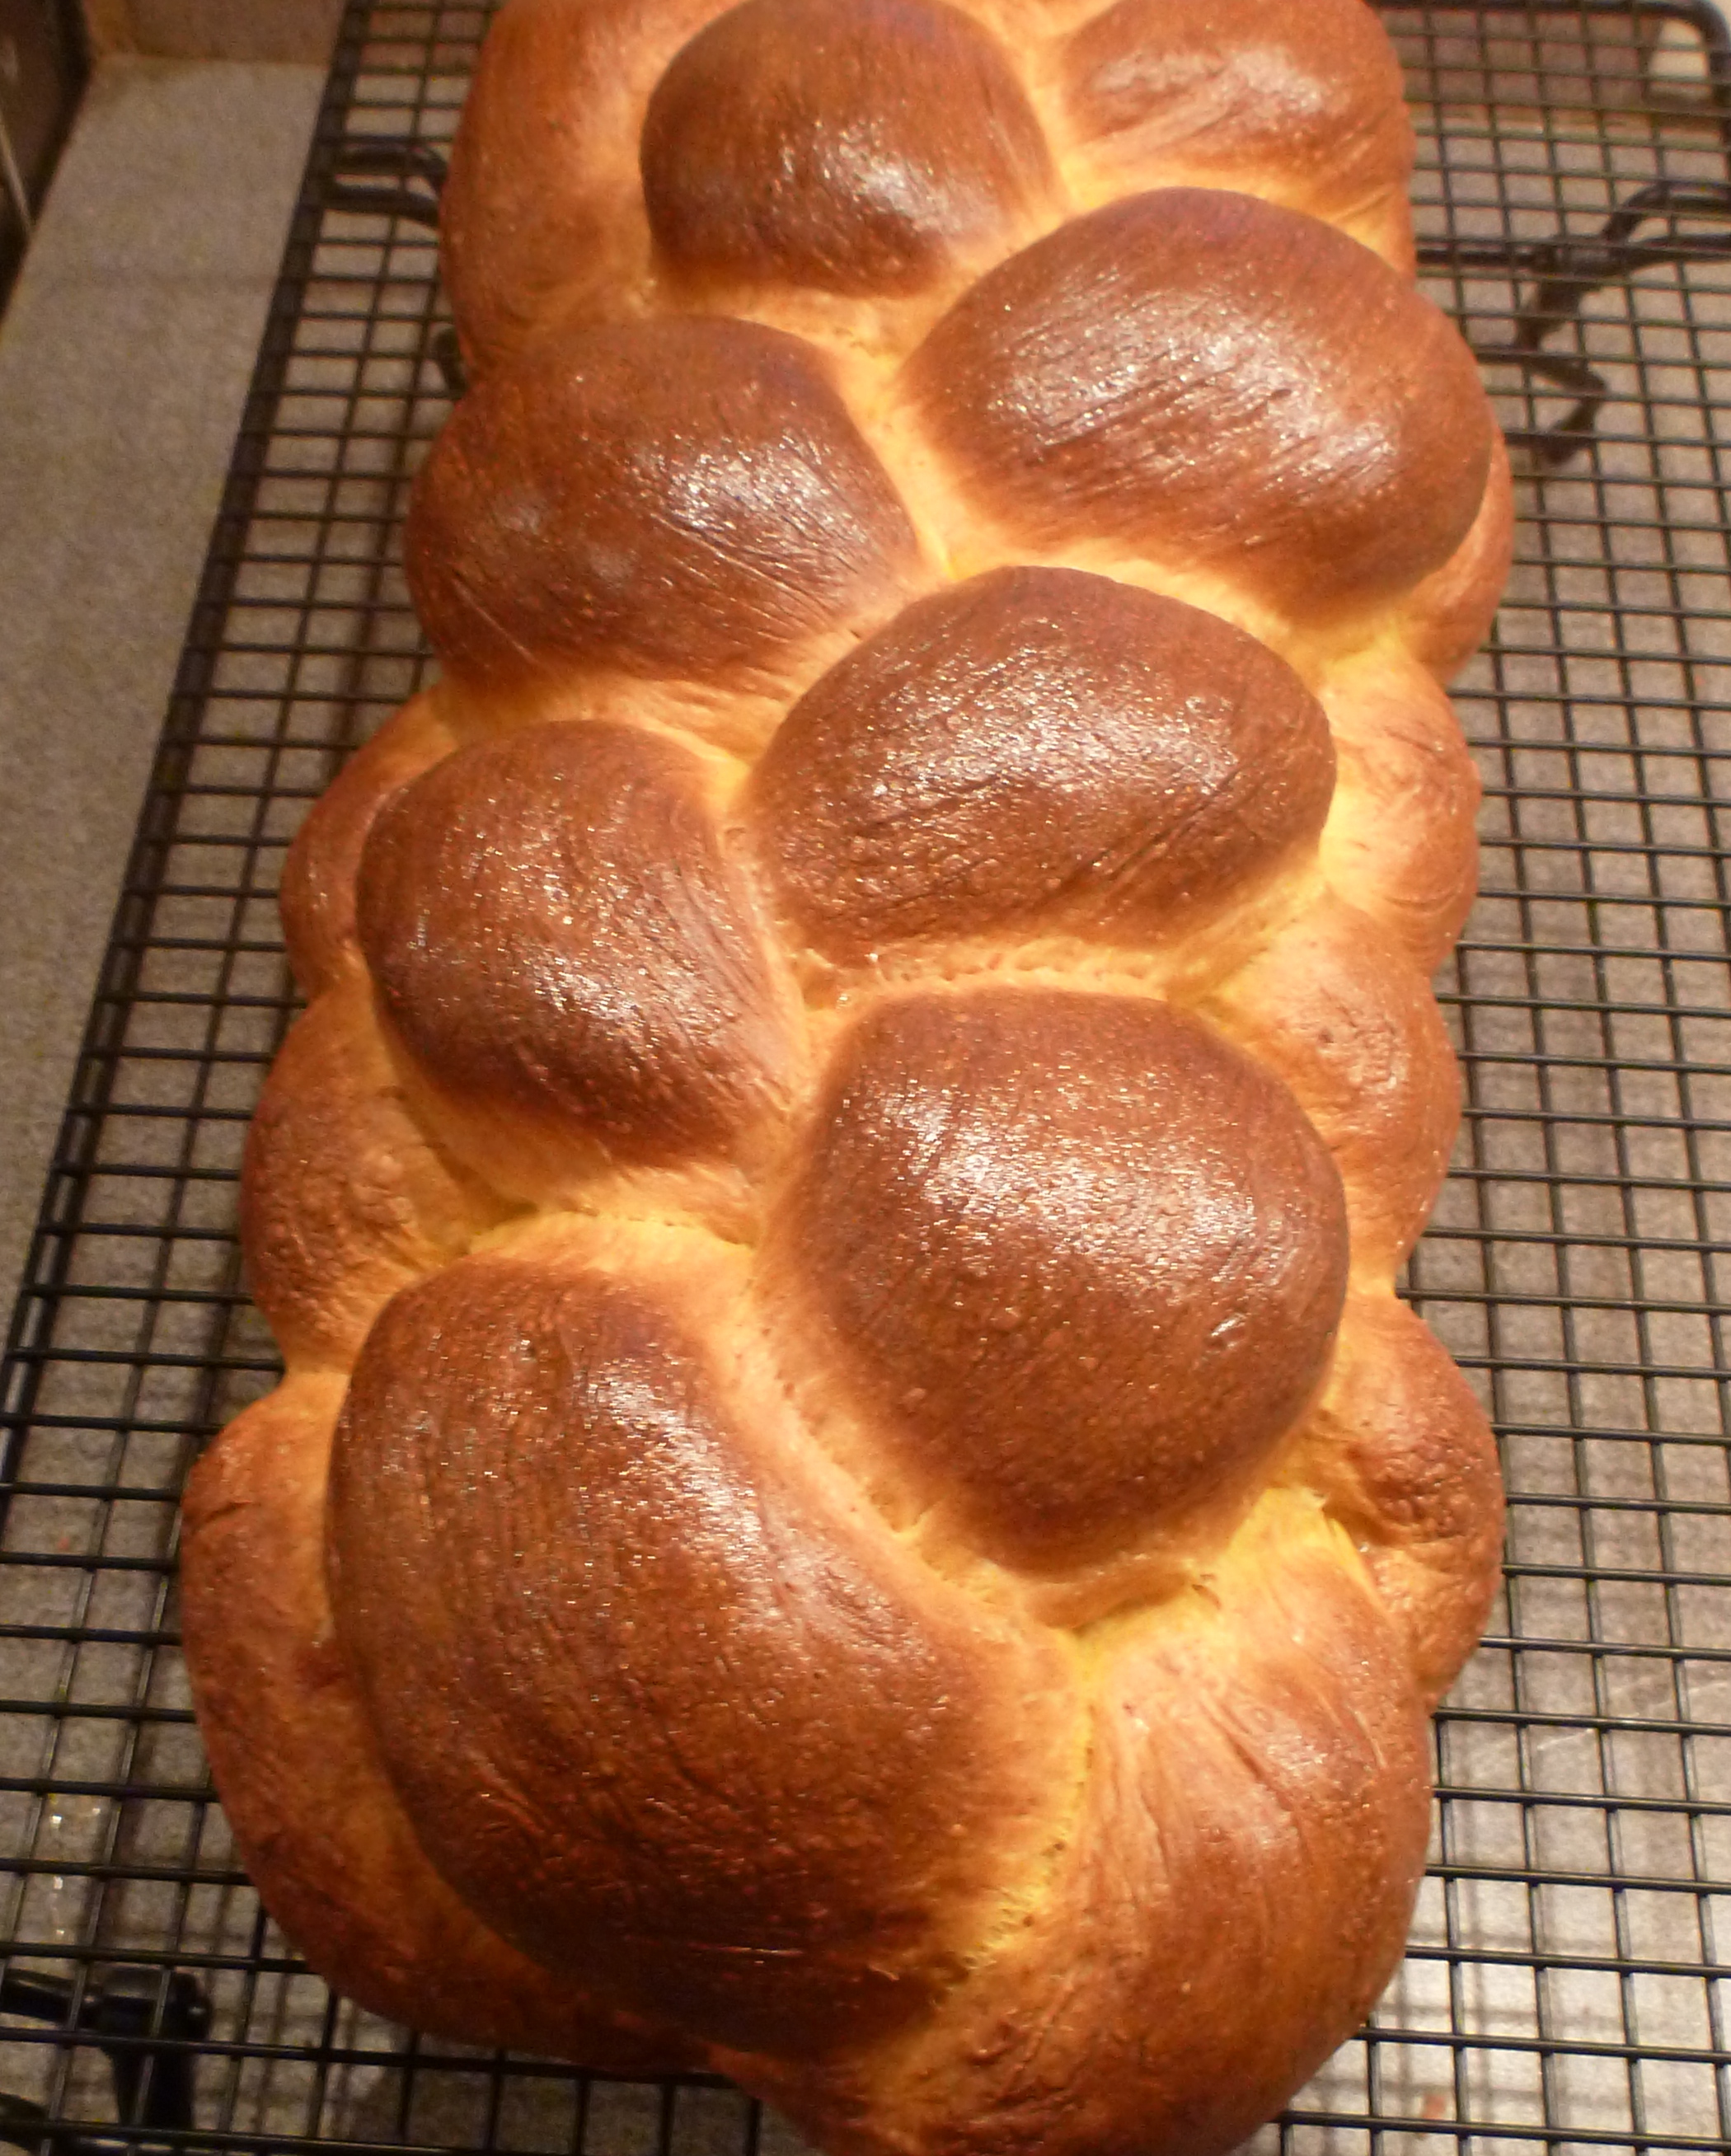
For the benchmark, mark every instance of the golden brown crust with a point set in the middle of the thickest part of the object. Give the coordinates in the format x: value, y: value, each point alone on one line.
x: 1401, y: 842
x: 1449, y: 614
x: 318, y: 878
x: 316, y: 1821
x: 871, y: 149
x: 1037, y: 749
x: 503, y: 897
x: 1076, y: 1261
x: 543, y: 216
x: 1334, y: 1006
x: 1182, y: 374
x: 1232, y: 1894
x: 343, y: 1198
x: 1306, y: 94
x: 707, y: 1726
x: 1400, y: 1451
x: 861, y: 1116
x: 662, y: 498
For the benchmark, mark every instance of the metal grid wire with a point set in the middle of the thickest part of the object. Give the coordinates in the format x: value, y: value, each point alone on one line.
x: 1566, y: 1984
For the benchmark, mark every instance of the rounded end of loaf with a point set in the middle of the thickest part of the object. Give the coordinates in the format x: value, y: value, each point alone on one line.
x: 315, y: 1820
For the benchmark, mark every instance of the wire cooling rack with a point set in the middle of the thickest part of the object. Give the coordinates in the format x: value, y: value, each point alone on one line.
x: 1567, y: 1985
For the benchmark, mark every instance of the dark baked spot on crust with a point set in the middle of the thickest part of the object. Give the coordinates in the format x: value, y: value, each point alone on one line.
x: 1214, y: 381
x: 1037, y: 748
x: 680, y: 498
x: 1078, y: 1259
x: 855, y: 145
x: 557, y: 940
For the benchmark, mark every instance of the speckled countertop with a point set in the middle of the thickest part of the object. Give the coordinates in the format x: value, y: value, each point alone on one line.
x: 124, y: 361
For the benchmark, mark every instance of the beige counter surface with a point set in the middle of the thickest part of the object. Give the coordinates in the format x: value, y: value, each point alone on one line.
x: 124, y: 362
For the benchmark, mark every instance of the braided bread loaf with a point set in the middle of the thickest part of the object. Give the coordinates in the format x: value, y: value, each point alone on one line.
x: 852, y: 1502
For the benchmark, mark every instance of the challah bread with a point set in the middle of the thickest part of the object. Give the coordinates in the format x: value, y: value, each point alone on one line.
x: 852, y: 1503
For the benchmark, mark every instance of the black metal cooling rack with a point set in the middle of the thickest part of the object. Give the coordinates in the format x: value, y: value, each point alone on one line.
x: 1567, y: 1985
